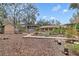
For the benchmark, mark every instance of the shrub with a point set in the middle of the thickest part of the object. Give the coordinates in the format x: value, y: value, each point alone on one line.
x: 70, y: 32
x: 55, y: 31
x: 75, y: 49
x: 22, y: 29
x: 37, y: 29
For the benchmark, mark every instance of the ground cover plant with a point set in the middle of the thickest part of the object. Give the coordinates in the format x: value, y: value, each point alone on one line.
x: 74, y: 48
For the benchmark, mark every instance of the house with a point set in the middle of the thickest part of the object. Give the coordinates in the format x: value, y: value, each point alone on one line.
x: 48, y: 27
x: 9, y: 29
x: 31, y: 28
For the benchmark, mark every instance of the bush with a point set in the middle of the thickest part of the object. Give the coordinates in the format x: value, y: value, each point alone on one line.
x: 55, y: 31
x: 37, y: 29
x: 75, y: 49
x: 22, y: 30
x: 50, y: 32
x: 70, y: 32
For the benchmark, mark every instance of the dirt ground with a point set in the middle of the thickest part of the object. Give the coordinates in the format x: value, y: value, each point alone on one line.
x: 16, y: 45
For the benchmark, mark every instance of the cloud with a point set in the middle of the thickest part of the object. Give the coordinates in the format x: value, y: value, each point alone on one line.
x: 56, y: 8
x: 65, y: 10
x: 44, y: 17
x: 49, y: 18
x: 52, y: 17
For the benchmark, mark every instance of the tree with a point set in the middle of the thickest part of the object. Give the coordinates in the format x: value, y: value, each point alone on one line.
x: 57, y: 22
x: 28, y: 14
x: 74, y: 5
x: 43, y: 22
x: 52, y: 22
x: 2, y: 13
x: 18, y: 12
x: 2, y: 16
x: 31, y: 14
x: 22, y: 11
x: 71, y: 20
x: 14, y: 10
x: 76, y: 17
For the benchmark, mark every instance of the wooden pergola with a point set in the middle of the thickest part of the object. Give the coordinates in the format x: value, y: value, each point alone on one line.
x: 48, y: 28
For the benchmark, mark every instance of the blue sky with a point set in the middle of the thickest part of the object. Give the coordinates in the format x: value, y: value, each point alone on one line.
x: 59, y: 11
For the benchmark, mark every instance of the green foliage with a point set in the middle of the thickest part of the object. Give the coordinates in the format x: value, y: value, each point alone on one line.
x: 70, y: 32
x: 74, y: 5
x: 77, y: 27
x: 75, y: 49
x: 24, y: 12
x: 57, y: 31
x: 43, y: 22
x: 37, y: 29
x: 32, y: 13
x: 1, y: 15
x: 1, y: 29
x: 22, y: 29
x: 51, y: 32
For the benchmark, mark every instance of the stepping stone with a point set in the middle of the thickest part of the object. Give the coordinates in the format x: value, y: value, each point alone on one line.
x: 5, y: 38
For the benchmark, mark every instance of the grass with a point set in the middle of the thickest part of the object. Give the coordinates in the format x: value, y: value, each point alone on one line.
x: 74, y: 48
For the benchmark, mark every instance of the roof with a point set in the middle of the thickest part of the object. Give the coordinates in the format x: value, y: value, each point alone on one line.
x: 34, y: 25
x: 49, y: 26
x: 54, y: 26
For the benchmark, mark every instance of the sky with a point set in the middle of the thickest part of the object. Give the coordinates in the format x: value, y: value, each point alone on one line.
x: 58, y: 11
